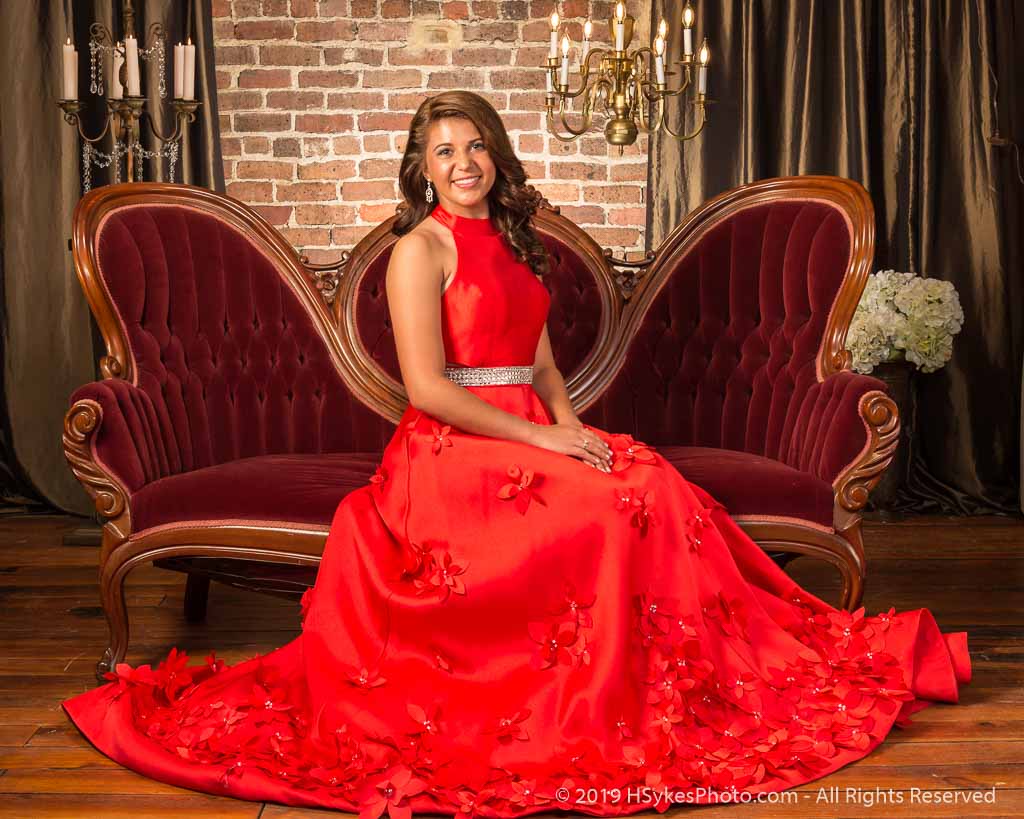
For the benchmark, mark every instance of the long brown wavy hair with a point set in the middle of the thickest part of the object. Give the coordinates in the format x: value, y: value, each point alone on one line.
x: 511, y: 202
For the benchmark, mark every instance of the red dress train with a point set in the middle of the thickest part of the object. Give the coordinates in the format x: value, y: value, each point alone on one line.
x: 498, y: 630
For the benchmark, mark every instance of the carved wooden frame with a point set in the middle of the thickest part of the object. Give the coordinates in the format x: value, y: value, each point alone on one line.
x: 843, y: 547
x: 329, y: 293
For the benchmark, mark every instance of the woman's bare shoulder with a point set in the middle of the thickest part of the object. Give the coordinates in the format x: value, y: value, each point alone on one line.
x: 414, y: 254
x: 423, y: 243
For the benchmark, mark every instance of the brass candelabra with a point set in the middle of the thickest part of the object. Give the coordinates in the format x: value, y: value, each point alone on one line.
x: 126, y: 111
x: 630, y: 88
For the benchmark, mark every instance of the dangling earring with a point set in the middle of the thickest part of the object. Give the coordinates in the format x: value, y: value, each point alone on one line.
x: 430, y: 192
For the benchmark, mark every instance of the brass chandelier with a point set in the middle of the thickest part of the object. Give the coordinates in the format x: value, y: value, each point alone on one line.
x: 630, y: 88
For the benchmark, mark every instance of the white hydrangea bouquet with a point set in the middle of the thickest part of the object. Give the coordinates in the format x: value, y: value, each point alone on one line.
x: 904, y: 317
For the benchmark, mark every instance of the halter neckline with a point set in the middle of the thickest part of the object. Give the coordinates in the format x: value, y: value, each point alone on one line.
x: 465, y: 224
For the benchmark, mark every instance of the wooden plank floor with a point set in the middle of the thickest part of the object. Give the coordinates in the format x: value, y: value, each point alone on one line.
x: 967, y: 571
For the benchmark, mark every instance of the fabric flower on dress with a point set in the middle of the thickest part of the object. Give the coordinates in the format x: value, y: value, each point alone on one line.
x: 392, y: 794
x: 172, y: 675
x: 626, y: 451
x: 268, y: 700
x: 555, y: 640
x: 441, y: 438
x: 510, y: 729
x: 665, y: 688
x: 576, y: 607
x: 364, y: 679
x: 729, y: 614
x: 522, y: 489
x: 470, y: 802
x: 523, y: 792
x: 639, y: 503
x: 655, y: 616
x: 699, y: 521
x: 443, y: 578
x: 126, y: 677
x: 379, y: 477
x: 427, y: 722
x: 666, y: 717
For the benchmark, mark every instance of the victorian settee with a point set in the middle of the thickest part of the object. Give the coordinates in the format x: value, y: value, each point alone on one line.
x: 245, y: 391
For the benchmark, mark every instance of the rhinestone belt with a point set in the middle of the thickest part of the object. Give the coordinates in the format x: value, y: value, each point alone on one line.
x: 489, y: 376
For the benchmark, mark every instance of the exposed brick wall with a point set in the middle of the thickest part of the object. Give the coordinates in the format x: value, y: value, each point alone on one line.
x: 316, y: 97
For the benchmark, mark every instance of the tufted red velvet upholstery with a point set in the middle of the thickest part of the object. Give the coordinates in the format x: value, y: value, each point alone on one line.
x: 229, y: 364
x: 298, y: 488
x: 726, y: 354
x: 234, y: 382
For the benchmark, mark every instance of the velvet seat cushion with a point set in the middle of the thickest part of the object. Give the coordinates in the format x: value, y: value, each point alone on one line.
x: 301, y: 489
x: 306, y: 489
x: 752, y: 484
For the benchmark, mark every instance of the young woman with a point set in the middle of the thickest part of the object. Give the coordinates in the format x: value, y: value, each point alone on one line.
x: 520, y: 612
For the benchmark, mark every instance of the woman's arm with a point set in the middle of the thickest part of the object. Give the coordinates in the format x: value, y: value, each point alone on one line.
x: 413, y: 282
x: 549, y: 384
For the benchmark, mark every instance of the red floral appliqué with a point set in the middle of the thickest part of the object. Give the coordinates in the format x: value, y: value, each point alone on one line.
x: 379, y: 477
x: 626, y: 451
x: 639, y: 503
x: 510, y: 729
x: 697, y: 524
x: 441, y: 438
x: 522, y: 489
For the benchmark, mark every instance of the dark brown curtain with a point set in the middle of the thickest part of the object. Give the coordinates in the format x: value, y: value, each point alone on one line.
x: 48, y: 344
x: 902, y: 96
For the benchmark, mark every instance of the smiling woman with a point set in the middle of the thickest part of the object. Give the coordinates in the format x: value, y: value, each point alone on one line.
x: 454, y: 137
x: 458, y: 164
x: 520, y: 612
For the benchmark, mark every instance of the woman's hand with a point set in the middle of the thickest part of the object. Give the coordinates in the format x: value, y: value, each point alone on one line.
x: 572, y: 438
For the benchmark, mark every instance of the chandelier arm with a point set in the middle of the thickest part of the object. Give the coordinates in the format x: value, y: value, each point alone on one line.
x: 584, y: 75
x: 74, y: 119
x: 173, y: 137
x: 587, y: 119
x: 683, y: 83
x: 697, y: 130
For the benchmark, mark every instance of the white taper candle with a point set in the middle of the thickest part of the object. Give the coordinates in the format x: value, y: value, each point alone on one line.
x: 131, y: 55
x: 190, y: 71
x: 70, y: 84
x: 179, y: 71
x: 116, y: 89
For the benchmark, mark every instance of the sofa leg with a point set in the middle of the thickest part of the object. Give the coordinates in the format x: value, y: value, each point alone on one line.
x: 112, y: 600
x: 197, y: 593
x: 856, y: 572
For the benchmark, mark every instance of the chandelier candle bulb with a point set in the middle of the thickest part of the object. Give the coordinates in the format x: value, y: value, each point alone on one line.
x: 179, y: 71
x: 620, y: 27
x: 116, y: 89
x: 131, y: 55
x: 659, y: 60
x: 588, y: 30
x: 189, y: 78
x: 702, y: 72
x: 564, y: 79
x: 688, y: 31
x: 554, y: 34
x: 70, y: 86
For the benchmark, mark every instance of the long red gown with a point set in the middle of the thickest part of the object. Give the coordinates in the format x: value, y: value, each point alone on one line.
x: 497, y: 629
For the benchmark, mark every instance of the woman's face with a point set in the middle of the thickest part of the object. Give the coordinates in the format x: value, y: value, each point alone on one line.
x: 458, y: 165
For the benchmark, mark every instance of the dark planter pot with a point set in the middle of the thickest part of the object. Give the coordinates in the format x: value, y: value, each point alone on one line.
x: 899, y: 378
